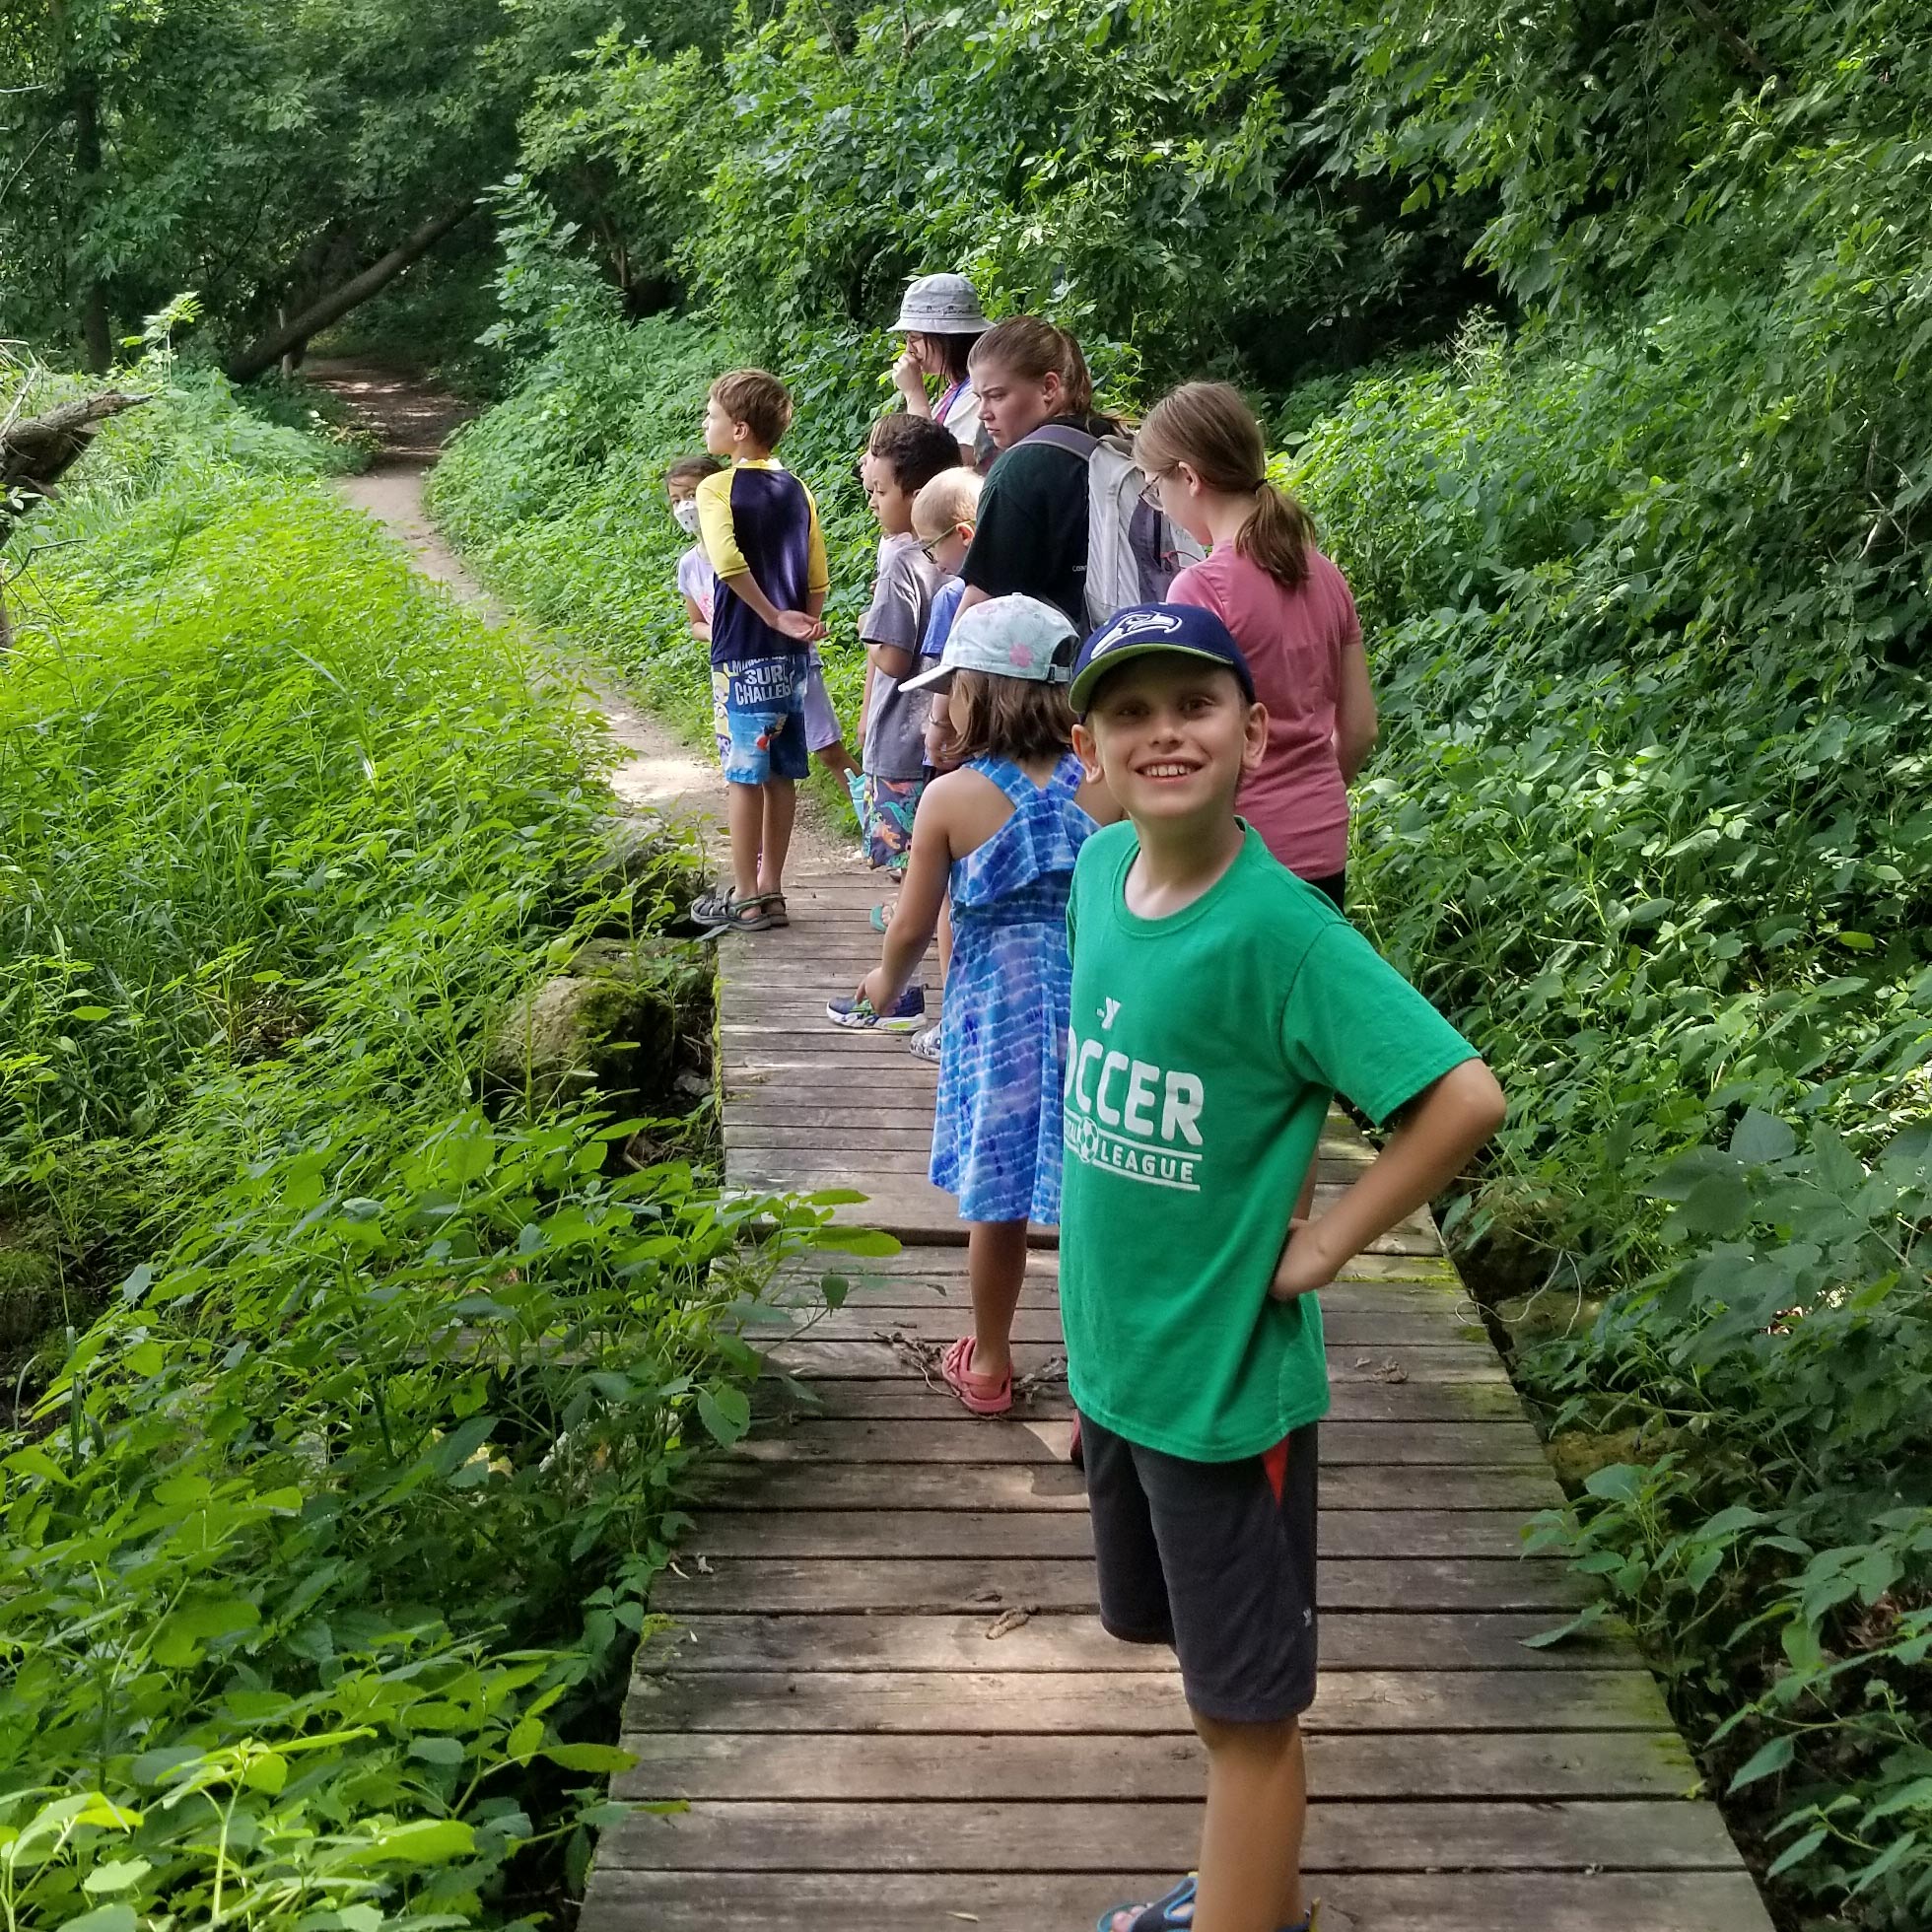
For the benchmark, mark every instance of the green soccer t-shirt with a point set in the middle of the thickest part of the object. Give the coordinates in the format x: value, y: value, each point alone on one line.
x: 1203, y: 1054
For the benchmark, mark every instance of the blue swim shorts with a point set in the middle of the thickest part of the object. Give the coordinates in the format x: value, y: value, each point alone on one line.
x: 758, y: 716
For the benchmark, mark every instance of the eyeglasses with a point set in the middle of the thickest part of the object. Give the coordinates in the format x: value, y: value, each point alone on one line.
x: 1151, y: 491
x: 931, y: 543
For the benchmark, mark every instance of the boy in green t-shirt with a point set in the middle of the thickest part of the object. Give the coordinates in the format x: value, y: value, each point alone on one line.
x: 1219, y: 1003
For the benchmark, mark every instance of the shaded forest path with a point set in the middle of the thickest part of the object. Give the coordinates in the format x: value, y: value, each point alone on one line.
x: 412, y: 418
x: 887, y: 1705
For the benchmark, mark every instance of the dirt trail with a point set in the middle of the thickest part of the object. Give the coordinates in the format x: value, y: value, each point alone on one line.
x: 659, y: 773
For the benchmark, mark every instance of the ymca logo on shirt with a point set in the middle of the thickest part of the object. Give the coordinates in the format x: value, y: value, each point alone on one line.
x: 1130, y: 1116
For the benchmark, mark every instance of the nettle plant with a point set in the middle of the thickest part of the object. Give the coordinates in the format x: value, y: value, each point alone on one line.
x: 1775, y: 1550
x: 337, y: 1527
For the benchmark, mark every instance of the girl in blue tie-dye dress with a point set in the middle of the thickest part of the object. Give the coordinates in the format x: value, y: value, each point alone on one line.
x: 999, y: 837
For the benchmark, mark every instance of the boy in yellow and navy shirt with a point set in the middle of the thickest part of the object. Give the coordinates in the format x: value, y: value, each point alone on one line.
x: 760, y: 531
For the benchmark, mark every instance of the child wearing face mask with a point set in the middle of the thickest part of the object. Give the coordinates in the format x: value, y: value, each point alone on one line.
x: 696, y: 584
x: 695, y: 581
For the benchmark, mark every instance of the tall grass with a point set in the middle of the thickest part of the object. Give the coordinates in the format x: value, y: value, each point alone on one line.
x: 324, y: 1543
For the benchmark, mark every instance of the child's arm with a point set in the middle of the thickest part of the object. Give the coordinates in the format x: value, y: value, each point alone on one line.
x: 802, y: 626
x: 721, y: 541
x: 700, y: 624
x: 922, y: 895
x: 893, y: 660
x: 1432, y: 1142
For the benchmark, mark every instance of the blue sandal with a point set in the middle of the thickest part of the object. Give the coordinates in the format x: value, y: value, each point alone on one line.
x: 1163, y: 1915
x: 1175, y: 1913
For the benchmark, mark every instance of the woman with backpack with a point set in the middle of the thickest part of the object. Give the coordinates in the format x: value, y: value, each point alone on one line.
x: 1031, y: 537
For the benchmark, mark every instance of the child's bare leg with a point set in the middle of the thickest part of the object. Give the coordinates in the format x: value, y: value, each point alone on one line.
x: 1251, y: 1842
x: 996, y: 1268
x: 779, y: 812
x: 744, y: 818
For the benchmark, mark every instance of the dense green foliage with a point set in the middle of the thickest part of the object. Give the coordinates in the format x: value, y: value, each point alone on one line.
x: 327, y: 1541
x: 256, y: 155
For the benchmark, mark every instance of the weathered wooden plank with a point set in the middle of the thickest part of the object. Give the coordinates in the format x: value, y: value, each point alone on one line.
x: 1349, y: 1640
x: 947, y: 1265
x: 1462, y: 1362
x: 1495, y: 1445
x: 1058, y: 1485
x: 1428, y: 1766
x: 1347, y: 1326
x: 914, y: 1532
x: 1055, y: 1901
x: 764, y: 1585
x: 1349, y: 1401
x: 1344, y: 1836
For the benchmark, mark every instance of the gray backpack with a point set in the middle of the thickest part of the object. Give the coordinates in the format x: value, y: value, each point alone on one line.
x: 1133, y: 552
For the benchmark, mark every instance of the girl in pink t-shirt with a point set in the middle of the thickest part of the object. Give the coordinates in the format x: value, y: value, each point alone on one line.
x: 1289, y: 610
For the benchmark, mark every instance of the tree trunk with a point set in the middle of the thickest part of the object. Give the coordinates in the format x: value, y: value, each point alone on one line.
x: 97, y: 332
x: 35, y: 453
x: 267, y: 350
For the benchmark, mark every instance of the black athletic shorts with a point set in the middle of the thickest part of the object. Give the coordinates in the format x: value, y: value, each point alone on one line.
x: 1216, y: 1559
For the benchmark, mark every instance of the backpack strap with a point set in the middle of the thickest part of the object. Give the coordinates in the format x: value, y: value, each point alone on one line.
x: 1064, y: 435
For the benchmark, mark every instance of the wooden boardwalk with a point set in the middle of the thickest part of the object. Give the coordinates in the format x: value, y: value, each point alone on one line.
x: 887, y: 1698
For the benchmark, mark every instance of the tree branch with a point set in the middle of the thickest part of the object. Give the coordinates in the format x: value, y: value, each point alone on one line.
x: 35, y: 453
x: 265, y: 351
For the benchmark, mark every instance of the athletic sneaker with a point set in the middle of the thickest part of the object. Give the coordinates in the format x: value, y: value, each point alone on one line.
x: 925, y: 1046
x: 905, y: 1015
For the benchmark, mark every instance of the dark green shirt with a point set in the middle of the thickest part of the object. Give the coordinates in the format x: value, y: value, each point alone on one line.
x: 1030, y: 533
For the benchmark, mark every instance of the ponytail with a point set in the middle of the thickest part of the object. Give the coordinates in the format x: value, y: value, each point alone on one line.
x: 1032, y: 349
x: 1208, y: 427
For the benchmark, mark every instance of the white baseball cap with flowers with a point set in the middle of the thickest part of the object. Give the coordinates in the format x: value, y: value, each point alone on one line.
x: 1006, y: 637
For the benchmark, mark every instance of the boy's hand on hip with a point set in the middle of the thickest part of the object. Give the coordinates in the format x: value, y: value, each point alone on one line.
x: 1306, y: 1263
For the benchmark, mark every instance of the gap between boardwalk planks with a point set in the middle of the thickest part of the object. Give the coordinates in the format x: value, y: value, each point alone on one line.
x: 740, y: 1766
x: 778, y: 1585
x: 1494, y: 1445
x: 1351, y: 1640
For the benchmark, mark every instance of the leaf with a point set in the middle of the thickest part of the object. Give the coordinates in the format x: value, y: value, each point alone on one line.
x: 1720, y: 1204
x: 104, y: 1918
x: 428, y: 1841
x: 1774, y: 1757
x: 438, y: 1750
x: 1761, y: 1137
x: 725, y: 1412
x: 1797, y: 1853
x: 604, y: 1758
x: 525, y: 1735
x: 116, y: 1875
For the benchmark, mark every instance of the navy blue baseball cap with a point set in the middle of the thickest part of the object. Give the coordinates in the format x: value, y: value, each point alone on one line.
x: 1141, y: 630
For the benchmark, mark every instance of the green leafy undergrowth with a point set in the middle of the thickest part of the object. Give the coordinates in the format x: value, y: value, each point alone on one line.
x: 1775, y: 1547
x: 324, y: 1543
x: 1649, y: 820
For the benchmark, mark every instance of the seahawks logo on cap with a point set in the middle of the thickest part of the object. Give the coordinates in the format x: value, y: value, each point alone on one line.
x: 1136, y: 623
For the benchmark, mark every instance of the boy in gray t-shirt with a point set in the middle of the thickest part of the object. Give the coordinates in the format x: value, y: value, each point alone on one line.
x: 904, y: 454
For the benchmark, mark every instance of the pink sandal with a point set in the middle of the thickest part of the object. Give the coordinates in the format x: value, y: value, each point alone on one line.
x: 984, y: 1395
